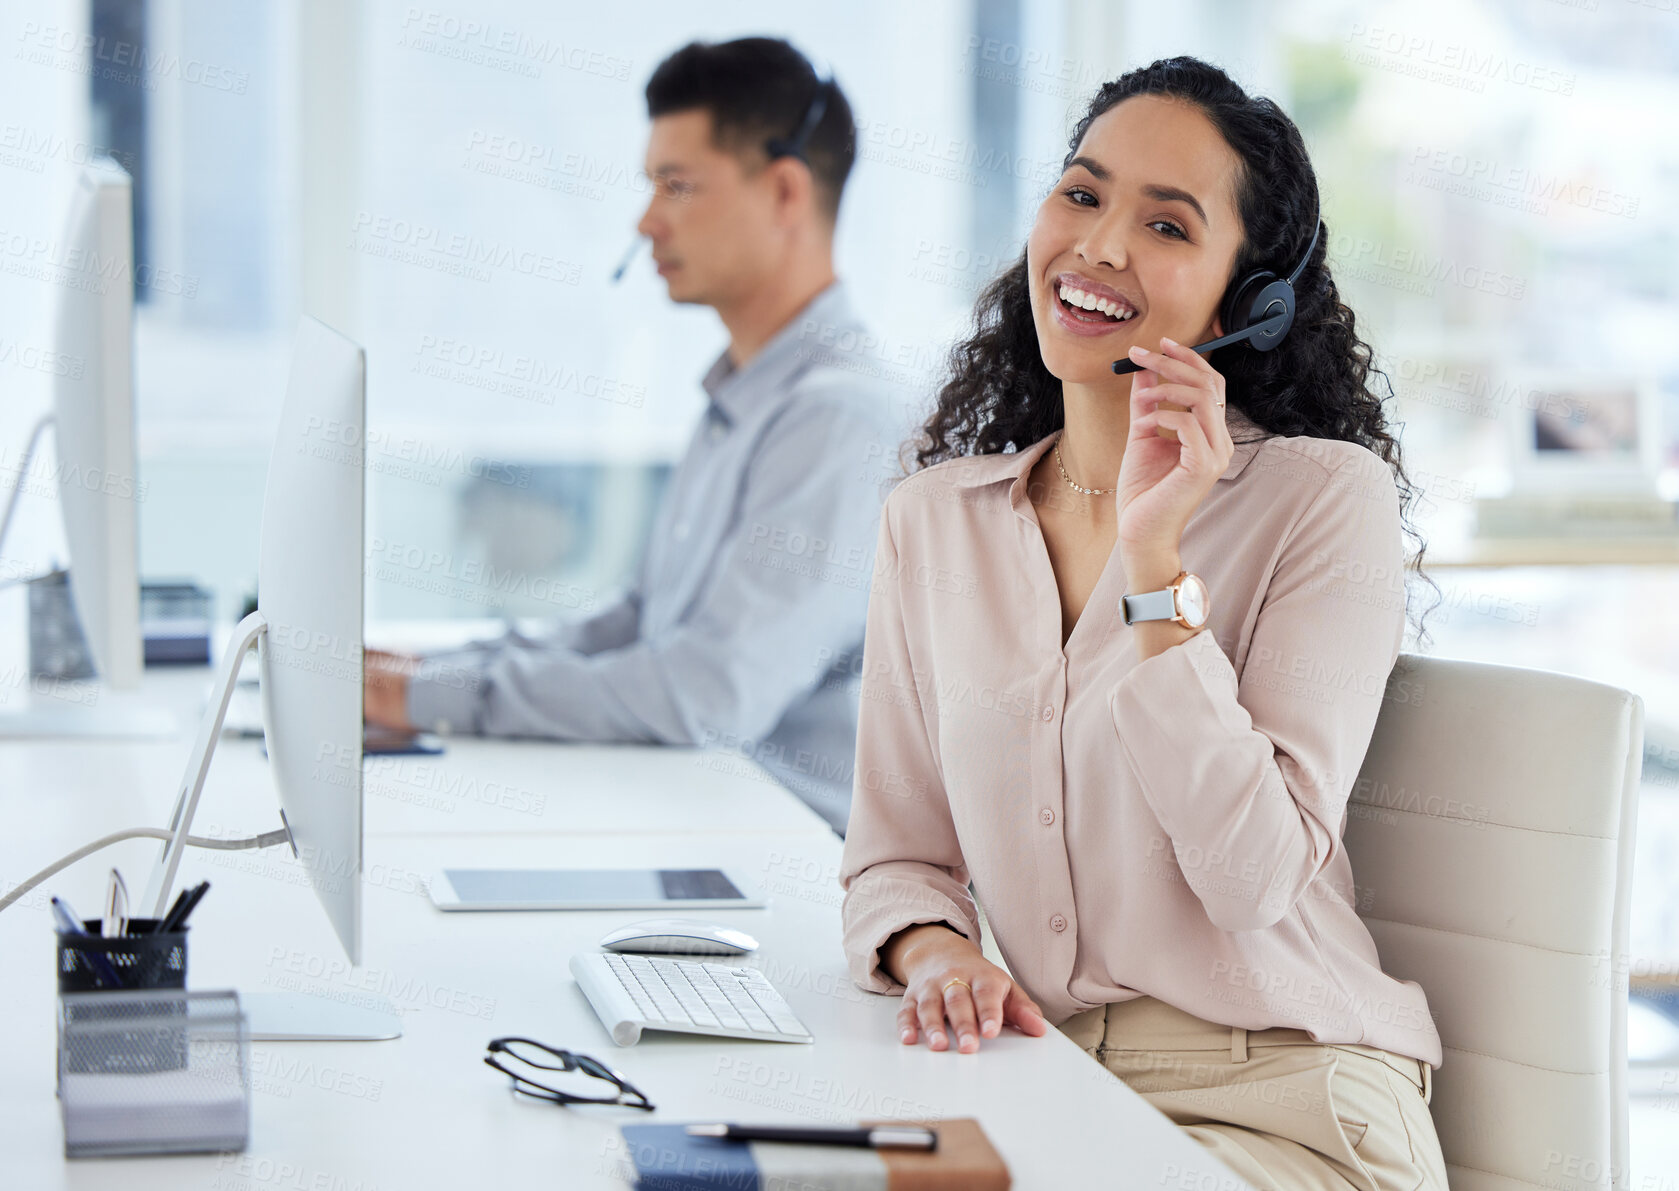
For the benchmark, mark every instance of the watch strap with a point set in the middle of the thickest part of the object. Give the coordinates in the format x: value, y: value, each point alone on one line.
x: 1150, y: 605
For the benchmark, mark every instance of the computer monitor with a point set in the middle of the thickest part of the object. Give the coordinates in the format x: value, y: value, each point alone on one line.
x: 96, y: 470
x: 93, y: 415
x: 309, y: 591
x: 307, y: 630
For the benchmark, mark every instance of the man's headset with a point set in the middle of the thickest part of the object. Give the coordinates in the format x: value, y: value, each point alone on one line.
x: 795, y: 145
x: 1259, y: 308
x: 777, y: 147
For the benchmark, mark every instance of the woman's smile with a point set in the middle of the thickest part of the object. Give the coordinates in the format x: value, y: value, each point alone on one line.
x: 1079, y: 320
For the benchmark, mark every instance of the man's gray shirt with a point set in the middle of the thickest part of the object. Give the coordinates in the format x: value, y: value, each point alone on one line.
x: 743, y: 630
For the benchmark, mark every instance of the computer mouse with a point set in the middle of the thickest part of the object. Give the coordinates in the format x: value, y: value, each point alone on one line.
x: 679, y: 936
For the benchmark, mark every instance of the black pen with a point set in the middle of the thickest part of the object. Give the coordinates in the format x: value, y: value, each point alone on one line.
x: 194, y: 896
x: 177, y: 916
x: 162, y: 924
x: 69, y: 924
x: 879, y: 1137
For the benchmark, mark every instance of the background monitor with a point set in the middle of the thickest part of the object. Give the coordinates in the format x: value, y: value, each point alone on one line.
x: 93, y: 414
x: 95, y: 469
x: 1586, y: 432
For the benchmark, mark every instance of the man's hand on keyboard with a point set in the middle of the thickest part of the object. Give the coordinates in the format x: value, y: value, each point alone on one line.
x: 385, y: 688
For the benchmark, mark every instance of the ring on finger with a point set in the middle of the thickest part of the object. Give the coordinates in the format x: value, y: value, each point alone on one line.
x: 956, y: 980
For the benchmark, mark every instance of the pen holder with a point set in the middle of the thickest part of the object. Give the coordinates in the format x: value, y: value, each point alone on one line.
x: 153, y: 1071
x: 140, y: 961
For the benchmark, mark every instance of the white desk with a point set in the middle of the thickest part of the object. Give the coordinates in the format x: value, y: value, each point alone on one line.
x: 423, y: 1111
x: 476, y: 786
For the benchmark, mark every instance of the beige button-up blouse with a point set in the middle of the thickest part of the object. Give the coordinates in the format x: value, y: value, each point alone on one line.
x: 1170, y: 827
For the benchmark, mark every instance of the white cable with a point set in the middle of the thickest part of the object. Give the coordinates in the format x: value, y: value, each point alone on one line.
x: 266, y: 840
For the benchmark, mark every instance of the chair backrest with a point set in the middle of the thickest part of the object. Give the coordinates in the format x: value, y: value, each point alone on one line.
x: 1490, y: 834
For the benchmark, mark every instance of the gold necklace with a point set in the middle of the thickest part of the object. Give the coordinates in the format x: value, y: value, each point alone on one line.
x: 1069, y: 479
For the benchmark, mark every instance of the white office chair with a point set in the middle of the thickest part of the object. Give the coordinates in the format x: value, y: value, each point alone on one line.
x: 1490, y: 834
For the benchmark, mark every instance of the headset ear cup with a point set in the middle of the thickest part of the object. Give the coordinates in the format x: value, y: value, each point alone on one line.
x: 1239, y: 301
x: 1277, y: 295
x: 1258, y: 294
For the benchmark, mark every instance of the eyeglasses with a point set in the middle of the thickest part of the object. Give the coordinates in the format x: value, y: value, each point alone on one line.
x: 545, y: 1058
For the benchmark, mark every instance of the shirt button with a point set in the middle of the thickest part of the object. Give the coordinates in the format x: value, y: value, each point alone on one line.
x: 716, y: 431
x: 1049, y: 714
x: 1046, y: 816
x: 1058, y: 923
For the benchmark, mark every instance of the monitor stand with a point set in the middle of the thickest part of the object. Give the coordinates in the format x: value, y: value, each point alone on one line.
x: 293, y: 1017
x: 70, y: 709
x: 272, y: 1017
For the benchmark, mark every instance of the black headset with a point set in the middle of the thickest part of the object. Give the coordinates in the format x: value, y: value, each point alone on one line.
x: 1258, y: 308
x: 776, y: 146
x: 795, y: 145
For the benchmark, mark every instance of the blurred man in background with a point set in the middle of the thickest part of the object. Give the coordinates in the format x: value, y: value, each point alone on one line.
x: 747, y: 614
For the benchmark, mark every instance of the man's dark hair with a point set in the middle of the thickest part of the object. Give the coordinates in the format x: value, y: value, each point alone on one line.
x: 758, y: 89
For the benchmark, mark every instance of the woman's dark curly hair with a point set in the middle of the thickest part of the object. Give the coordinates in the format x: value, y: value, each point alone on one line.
x: 1318, y: 381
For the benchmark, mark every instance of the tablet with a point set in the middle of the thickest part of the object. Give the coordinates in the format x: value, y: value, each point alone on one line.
x: 591, y: 889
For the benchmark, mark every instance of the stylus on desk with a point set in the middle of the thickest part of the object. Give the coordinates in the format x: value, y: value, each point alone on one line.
x: 880, y: 1137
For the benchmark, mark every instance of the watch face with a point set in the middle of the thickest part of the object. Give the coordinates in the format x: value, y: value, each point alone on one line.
x: 1193, y: 603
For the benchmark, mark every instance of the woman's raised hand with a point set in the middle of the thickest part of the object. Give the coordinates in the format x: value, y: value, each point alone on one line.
x: 1163, y: 479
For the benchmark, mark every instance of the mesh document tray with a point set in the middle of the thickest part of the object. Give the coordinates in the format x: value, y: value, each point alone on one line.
x: 153, y: 1071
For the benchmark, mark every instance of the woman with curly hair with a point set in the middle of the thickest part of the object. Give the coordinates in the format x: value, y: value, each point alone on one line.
x: 1127, y: 643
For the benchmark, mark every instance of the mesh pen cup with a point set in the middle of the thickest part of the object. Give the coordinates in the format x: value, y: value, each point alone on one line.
x: 138, y: 961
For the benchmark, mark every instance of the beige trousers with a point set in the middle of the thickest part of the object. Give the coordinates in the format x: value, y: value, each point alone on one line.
x: 1280, y: 1110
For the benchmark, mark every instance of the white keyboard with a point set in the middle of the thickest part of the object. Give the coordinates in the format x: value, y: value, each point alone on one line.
x: 632, y: 993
